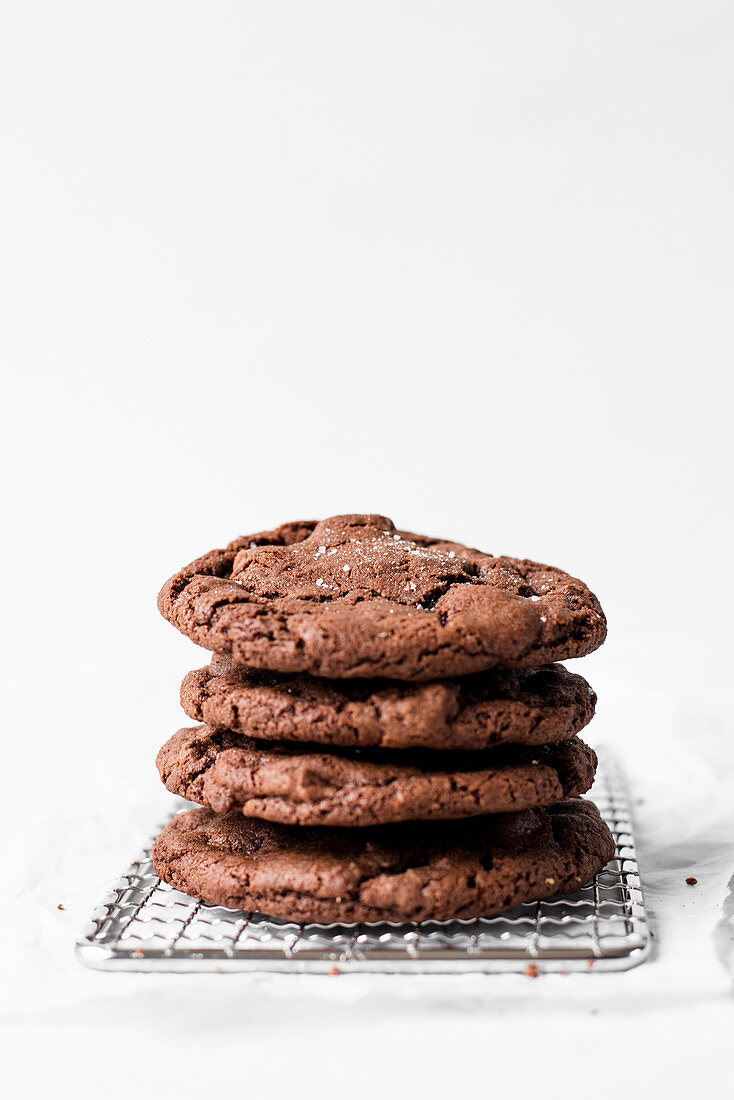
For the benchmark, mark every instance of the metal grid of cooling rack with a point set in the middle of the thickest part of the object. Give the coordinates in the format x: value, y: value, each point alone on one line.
x: 145, y: 925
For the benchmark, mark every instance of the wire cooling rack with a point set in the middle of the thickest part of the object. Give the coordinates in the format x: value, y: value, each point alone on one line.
x: 145, y: 925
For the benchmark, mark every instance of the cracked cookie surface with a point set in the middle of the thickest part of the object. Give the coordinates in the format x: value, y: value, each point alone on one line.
x: 298, y: 785
x: 352, y: 597
x: 407, y: 872
x: 530, y: 707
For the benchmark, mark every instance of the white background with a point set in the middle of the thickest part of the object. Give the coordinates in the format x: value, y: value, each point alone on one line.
x: 465, y: 264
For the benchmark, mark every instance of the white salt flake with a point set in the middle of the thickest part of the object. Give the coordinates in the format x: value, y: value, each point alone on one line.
x: 346, y: 568
x: 319, y: 582
x: 543, y: 619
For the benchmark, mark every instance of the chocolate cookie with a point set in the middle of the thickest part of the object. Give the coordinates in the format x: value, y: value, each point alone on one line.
x: 474, y: 712
x: 351, y: 597
x: 295, y: 785
x: 411, y: 872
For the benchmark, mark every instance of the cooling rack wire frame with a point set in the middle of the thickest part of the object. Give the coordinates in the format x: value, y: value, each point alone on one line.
x: 145, y: 925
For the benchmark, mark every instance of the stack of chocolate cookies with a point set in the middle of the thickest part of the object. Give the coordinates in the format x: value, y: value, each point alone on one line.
x: 385, y: 734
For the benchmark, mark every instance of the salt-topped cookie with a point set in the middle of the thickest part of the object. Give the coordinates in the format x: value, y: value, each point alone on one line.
x: 352, y: 597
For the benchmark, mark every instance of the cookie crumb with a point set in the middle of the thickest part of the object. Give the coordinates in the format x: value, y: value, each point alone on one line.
x: 550, y: 882
x: 60, y: 906
x: 334, y: 972
x: 531, y: 970
x: 691, y: 881
x: 591, y: 963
